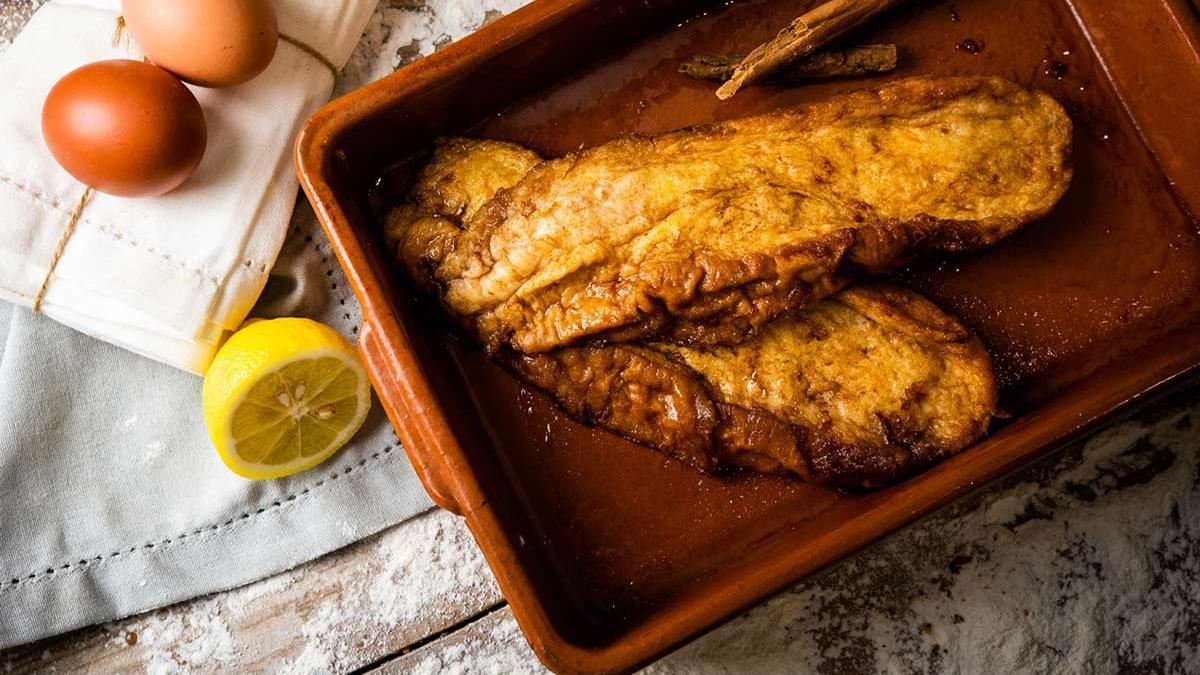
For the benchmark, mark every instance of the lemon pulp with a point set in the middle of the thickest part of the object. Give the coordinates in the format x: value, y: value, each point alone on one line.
x: 282, y: 396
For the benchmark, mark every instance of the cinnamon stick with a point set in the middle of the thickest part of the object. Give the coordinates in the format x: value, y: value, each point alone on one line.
x: 818, y: 65
x: 806, y: 34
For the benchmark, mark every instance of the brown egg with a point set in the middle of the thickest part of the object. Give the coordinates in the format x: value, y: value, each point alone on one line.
x: 123, y: 127
x: 211, y: 43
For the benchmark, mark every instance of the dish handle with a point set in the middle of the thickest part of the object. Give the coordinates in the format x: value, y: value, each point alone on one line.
x: 414, y: 424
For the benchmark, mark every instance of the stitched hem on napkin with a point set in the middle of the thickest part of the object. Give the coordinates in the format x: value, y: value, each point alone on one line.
x: 336, y: 509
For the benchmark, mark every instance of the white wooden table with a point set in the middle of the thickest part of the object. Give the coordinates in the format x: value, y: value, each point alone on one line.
x: 1088, y: 562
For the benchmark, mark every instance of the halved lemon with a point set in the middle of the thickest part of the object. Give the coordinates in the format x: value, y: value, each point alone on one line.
x: 282, y: 395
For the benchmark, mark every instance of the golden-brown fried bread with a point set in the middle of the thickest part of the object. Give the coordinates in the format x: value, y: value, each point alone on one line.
x: 460, y: 177
x: 857, y: 390
x: 875, y: 381
x: 702, y: 236
x: 631, y: 390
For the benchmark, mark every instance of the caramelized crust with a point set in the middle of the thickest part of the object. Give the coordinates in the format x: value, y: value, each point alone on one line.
x: 875, y: 382
x: 702, y: 236
x: 462, y: 175
x: 632, y: 391
x: 857, y: 390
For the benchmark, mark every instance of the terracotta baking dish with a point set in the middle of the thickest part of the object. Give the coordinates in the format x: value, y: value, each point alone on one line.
x: 611, y: 555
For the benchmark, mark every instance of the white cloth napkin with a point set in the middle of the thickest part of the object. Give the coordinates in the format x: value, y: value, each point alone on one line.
x: 166, y: 277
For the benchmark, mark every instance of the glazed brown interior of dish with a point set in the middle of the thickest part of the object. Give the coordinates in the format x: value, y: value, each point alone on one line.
x: 613, y: 532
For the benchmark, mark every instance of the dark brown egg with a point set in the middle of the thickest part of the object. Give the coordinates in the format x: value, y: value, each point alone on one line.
x: 123, y: 127
x: 211, y: 43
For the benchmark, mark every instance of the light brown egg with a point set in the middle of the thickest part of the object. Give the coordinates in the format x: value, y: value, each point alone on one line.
x: 127, y: 128
x: 211, y: 43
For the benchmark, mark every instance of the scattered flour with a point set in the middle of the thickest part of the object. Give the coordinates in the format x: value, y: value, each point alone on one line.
x: 241, y: 601
x: 432, y: 561
x: 314, y: 658
x: 401, y: 31
x: 492, y: 646
x: 416, y: 580
x: 421, y: 572
x: 154, y: 450
x: 191, y: 638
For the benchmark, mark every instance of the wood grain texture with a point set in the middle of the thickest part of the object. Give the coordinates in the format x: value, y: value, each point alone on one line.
x: 336, y: 614
x: 492, y: 639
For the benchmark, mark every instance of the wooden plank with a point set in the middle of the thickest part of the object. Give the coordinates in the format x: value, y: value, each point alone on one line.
x: 341, y: 612
x: 493, y: 643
